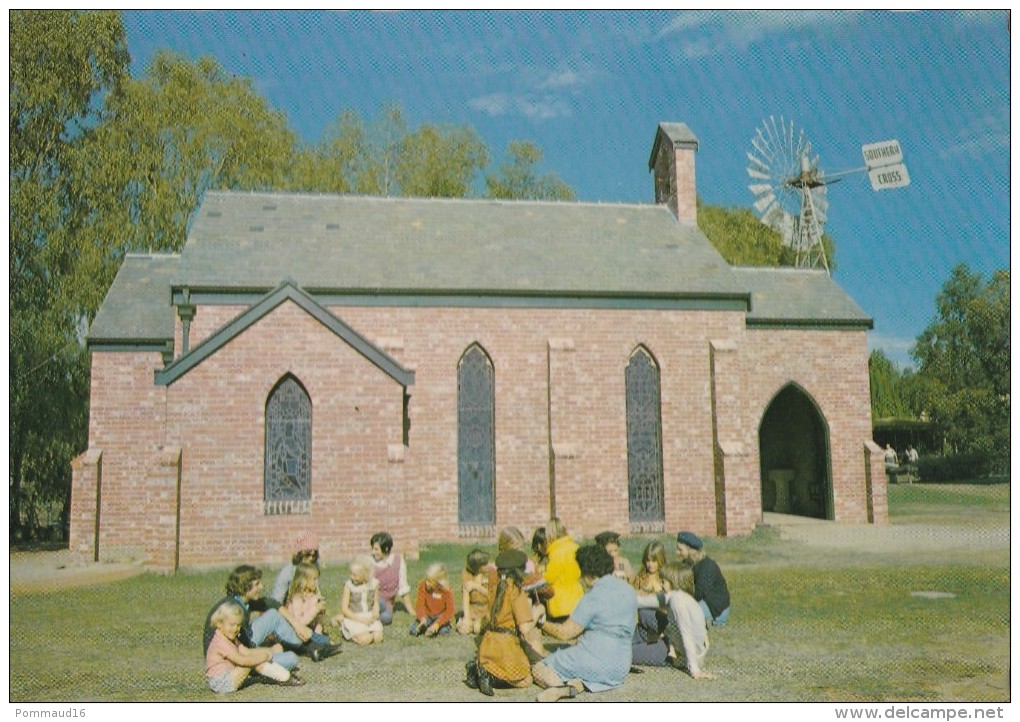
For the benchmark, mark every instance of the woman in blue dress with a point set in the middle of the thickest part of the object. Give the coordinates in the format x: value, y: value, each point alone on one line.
x: 603, y: 624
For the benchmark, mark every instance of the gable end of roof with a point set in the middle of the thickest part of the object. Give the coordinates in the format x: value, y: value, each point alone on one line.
x: 286, y: 291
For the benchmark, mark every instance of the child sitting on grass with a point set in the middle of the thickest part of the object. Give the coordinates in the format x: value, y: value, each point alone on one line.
x: 649, y: 577
x: 307, y: 606
x: 434, y: 606
x: 610, y: 541
x: 360, y: 605
x: 709, y: 584
x: 475, y: 592
x: 228, y: 662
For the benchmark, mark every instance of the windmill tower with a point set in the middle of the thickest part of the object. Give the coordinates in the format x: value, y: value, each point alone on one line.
x: 790, y: 188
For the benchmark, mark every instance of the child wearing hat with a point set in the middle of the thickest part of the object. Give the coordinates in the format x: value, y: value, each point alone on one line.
x: 502, y: 659
x: 710, y: 588
x: 307, y: 553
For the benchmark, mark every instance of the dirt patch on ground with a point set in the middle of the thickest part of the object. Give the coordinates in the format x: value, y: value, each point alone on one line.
x: 46, y: 571
x: 985, y: 535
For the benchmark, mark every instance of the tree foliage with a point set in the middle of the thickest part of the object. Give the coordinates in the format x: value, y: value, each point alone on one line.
x: 892, y: 394
x: 384, y: 157
x: 517, y: 178
x: 743, y: 240
x: 963, y: 363
x: 161, y: 142
x: 61, y: 65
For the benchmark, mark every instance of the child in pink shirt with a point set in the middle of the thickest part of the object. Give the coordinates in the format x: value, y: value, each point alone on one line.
x: 228, y: 662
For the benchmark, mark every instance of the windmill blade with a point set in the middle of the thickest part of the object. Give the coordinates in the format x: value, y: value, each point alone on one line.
x: 763, y: 203
x: 773, y: 218
x: 784, y: 141
x: 763, y: 148
x: 780, y: 157
x: 775, y: 135
x: 821, y: 204
x: 762, y: 165
x: 789, y: 230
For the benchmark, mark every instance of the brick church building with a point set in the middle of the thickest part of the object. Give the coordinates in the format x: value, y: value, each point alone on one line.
x: 442, y: 368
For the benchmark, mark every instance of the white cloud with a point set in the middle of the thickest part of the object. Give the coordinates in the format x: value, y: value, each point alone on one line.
x: 495, y: 104
x: 984, y: 16
x: 707, y: 31
x: 538, y: 94
x: 534, y: 107
x: 560, y: 80
x: 981, y: 136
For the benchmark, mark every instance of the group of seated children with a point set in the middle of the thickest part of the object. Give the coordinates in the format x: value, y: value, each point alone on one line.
x: 504, y: 606
x: 236, y: 643
x: 676, y: 602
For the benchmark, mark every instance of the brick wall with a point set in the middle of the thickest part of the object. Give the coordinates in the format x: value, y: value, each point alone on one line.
x: 364, y: 479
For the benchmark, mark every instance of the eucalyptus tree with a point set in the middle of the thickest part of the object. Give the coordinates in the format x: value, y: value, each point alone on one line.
x: 163, y: 140
x: 62, y: 64
x: 963, y: 359
x: 517, y: 177
x: 440, y: 162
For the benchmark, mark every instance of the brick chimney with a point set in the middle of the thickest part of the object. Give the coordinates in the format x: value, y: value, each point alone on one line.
x: 672, y: 162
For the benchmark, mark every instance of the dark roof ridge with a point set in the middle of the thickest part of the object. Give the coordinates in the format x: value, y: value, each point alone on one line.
x: 436, y: 199
x: 781, y: 269
x: 154, y: 255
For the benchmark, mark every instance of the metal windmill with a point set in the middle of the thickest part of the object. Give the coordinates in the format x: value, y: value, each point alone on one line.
x: 790, y: 188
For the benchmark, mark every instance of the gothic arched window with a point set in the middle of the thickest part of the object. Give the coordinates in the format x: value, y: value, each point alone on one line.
x: 644, y: 443
x: 476, y: 440
x: 288, y: 469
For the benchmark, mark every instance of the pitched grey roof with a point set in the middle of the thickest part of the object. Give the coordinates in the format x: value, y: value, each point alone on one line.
x: 137, y: 307
x: 334, y: 243
x: 792, y: 296
x: 247, y: 244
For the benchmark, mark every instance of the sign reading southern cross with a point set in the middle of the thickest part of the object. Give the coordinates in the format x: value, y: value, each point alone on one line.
x: 885, y: 152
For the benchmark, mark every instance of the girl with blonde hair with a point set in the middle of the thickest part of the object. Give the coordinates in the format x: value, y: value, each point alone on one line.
x: 434, y: 607
x: 648, y: 580
x: 228, y: 663
x: 359, y: 603
x: 562, y: 572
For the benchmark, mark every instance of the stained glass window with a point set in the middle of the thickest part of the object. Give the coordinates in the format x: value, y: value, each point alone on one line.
x: 288, y: 470
x: 476, y: 467
x: 644, y: 443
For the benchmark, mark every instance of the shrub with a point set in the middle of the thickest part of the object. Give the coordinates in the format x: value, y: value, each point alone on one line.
x: 954, y: 468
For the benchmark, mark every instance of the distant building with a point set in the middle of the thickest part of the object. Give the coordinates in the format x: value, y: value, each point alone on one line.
x: 442, y: 368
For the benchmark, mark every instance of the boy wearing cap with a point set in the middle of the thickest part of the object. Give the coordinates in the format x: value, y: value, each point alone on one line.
x: 710, y: 588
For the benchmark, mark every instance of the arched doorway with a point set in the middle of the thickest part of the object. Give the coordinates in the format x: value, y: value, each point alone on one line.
x: 793, y: 447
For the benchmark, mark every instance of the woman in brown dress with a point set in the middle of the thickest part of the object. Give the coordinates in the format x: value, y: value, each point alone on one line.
x: 508, y: 631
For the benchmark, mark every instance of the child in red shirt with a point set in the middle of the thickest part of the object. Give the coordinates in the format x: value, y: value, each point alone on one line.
x: 434, y: 607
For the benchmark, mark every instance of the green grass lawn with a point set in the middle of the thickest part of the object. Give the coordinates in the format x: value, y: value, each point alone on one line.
x: 800, y: 631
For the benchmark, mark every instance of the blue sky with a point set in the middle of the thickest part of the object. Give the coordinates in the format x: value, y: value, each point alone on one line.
x: 590, y: 87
